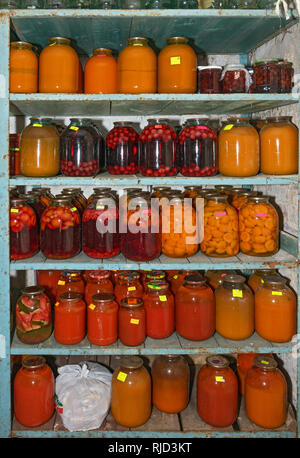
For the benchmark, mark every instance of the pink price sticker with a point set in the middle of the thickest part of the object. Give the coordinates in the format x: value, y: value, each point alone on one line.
x: 260, y: 215
x: 221, y: 214
x: 146, y: 211
x: 101, y: 55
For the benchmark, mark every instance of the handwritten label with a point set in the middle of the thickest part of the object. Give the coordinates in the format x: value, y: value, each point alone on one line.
x: 131, y: 288
x: 134, y: 321
x: 237, y: 293
x: 276, y: 293
x: 229, y: 127
x: 92, y: 307
x: 121, y: 376
x: 61, y: 282
x: 220, y: 379
x: 163, y: 298
x: 175, y: 60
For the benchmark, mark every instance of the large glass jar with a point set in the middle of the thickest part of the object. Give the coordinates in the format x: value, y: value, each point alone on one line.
x: 275, y: 310
x: 132, y: 322
x: 98, y: 282
x: 44, y: 195
x: 102, y: 319
x: 122, y: 144
x: 33, y: 200
x: 192, y: 191
x: 100, y: 73
x: 279, y: 146
x: 34, y: 392
x: 244, y: 362
x: 286, y: 76
x: 257, y: 278
x: 137, y: 68
x: 215, y: 277
x: 69, y: 319
x: 73, y: 197
x: 195, y: 309
x: 221, y: 228
x: 160, y: 311
x: 158, y: 149
x: 209, y: 79
x: 98, y: 191
x: 48, y: 279
x: 176, y: 279
x: 236, y: 79
x: 238, y: 148
x: 71, y: 281
x: 39, y: 149
x: 240, y: 198
x: 258, y: 226
x: 131, y: 393
x: 217, y: 392
x: 234, y: 308
x: 198, y: 149
x: 266, y: 394
x: 128, y: 285
x: 170, y: 383
x: 23, y: 68
x: 267, y: 76
x: 23, y: 230
x: 33, y: 316
x: 177, y: 67
x: 58, y: 67
x: 60, y: 230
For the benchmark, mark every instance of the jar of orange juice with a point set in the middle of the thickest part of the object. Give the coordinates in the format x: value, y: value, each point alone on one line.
x: 23, y: 68
x: 100, y: 73
x: 257, y: 277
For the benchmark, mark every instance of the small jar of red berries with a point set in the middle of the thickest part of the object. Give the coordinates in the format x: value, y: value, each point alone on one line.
x: 158, y: 149
x: 236, y: 79
x: 286, y: 76
x: 23, y: 230
x: 209, y: 79
x: 198, y: 149
x: 267, y: 76
x: 122, y: 144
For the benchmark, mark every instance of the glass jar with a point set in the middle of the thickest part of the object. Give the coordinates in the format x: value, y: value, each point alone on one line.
x: 240, y: 198
x: 170, y: 383
x: 33, y: 316
x: 221, y: 228
x: 234, y: 308
x: 23, y: 230
x: 34, y: 392
x: 158, y: 149
x: 286, y: 76
x: 122, y: 144
x: 267, y: 76
x: 132, y: 322
x: 68, y: 282
x: 176, y: 279
x: 259, y: 227
x: 209, y: 79
x: 102, y: 319
x: 98, y: 191
x: 44, y: 195
x: 244, y: 362
x: 39, y: 149
x: 48, y: 280
x: 60, y: 236
x: 131, y: 393
x: 235, y: 79
x: 33, y: 200
x: 137, y: 68
x: 279, y: 146
x: 195, y: 309
x: 58, y: 67
x: 198, y: 149
x: 128, y: 285
x: 215, y: 277
x: 177, y: 67
x: 275, y: 310
x: 79, y: 196
x: 23, y: 68
x: 69, y: 319
x: 266, y: 394
x: 14, y: 154
x: 158, y: 191
x: 160, y: 311
x: 100, y: 73
x: 217, y: 392
x: 238, y: 148
x: 192, y: 191
x: 223, y: 189
x: 98, y: 282
x: 257, y: 278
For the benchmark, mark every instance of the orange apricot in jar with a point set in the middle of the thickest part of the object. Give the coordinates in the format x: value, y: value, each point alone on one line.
x: 23, y: 68
x: 100, y: 73
x: 257, y: 278
x: 240, y: 198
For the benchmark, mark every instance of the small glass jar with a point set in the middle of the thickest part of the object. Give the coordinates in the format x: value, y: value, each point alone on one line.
x: 71, y: 281
x: 236, y: 79
x: 128, y: 285
x: 23, y: 230
x: 48, y: 280
x: 209, y: 79
x: 257, y: 278
x: 176, y: 279
x: 286, y: 76
x: 100, y: 73
x: 33, y: 316
x: 267, y: 76
x: 102, y: 319
x: 215, y: 277
x: 98, y: 282
x: 132, y: 322
x: 23, y: 68
x: 160, y: 311
x: 240, y: 198
x: 122, y: 144
x: 69, y: 319
x: 170, y: 383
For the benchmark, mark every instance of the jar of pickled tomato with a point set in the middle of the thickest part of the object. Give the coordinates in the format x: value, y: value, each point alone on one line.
x: 209, y: 79
x: 158, y: 149
x: 44, y: 195
x: 234, y: 308
x: 267, y: 76
x: 217, y: 392
x: 69, y: 318
x: 101, y: 73
x: 266, y: 394
x: 23, y: 68
x: 34, y: 392
x: 71, y: 281
x: 132, y: 322
x: 131, y: 393
x: 59, y: 67
x: 240, y: 198
x: 60, y: 230
x: 258, y: 226
x: 279, y: 146
x: 198, y: 149
x: 128, y: 285
x: 102, y: 319
x: 221, y: 228
x: 177, y: 278
x: 160, y: 312
x: 122, y: 144
x: 177, y: 67
x: 137, y: 68
x: 48, y: 280
x: 98, y: 282
x: 286, y: 76
x: 238, y: 148
x: 170, y: 383
x: 235, y: 79
x: 33, y: 316
x: 39, y: 149
x: 23, y: 230
x: 215, y: 278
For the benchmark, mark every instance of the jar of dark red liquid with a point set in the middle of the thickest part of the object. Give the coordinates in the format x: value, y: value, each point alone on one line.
x: 122, y: 144
x: 198, y: 149
x: 286, y: 76
x: 102, y: 319
x: 98, y: 282
x: 23, y: 230
x: 33, y: 316
x: 34, y: 202
x: 128, y: 285
x: 209, y: 80
x: 48, y: 279
x: 267, y: 76
x: 69, y: 319
x: 236, y: 79
x: 159, y: 306
x: 60, y: 230
x: 71, y: 281
x: 158, y: 144
x: 132, y: 322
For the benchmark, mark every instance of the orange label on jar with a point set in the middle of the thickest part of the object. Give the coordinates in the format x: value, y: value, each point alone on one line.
x: 56, y: 304
x: 131, y: 301
x: 220, y: 379
x: 229, y: 127
x: 163, y: 298
x: 14, y: 210
x: 74, y: 128
x: 175, y: 60
x: 237, y: 293
x: 92, y: 307
x: 134, y: 321
x: 158, y: 126
x: 276, y: 293
x: 121, y: 376
x: 131, y: 288
x: 61, y: 282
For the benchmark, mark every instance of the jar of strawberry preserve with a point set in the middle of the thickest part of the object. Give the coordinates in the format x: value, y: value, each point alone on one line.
x: 267, y: 76
x: 209, y: 80
x: 132, y: 322
x: 160, y: 313
x: 71, y: 281
x: 60, y: 230
x: 102, y: 319
x: 236, y: 79
x: 158, y: 149
x: 197, y: 149
x: 122, y: 144
x: 23, y: 230
x: 69, y: 319
x: 33, y: 316
x: 98, y: 282
x: 128, y: 285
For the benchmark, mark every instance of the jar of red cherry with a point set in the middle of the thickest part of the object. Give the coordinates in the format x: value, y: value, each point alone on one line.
x: 198, y: 149
x: 60, y: 230
x: 158, y: 145
x: 286, y: 76
x: 122, y: 150
x: 23, y: 230
x: 236, y: 79
x: 209, y: 80
x: 267, y: 76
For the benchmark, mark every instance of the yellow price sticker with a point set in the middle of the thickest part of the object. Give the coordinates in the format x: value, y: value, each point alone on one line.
x: 37, y: 125
x: 131, y: 288
x: 100, y: 207
x: 276, y: 293
x: 175, y: 277
x: 74, y: 209
x: 14, y: 210
x: 175, y: 60
x: 237, y: 293
x: 229, y: 127
x: 61, y: 282
x: 264, y: 362
x: 92, y: 307
x: 121, y: 376
x: 56, y: 304
x: 220, y: 379
x: 74, y: 128
x: 163, y: 298
x: 52, y: 44
x: 134, y: 321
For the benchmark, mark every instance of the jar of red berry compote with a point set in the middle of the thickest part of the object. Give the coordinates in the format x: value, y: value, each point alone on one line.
x: 23, y: 230
x: 122, y: 144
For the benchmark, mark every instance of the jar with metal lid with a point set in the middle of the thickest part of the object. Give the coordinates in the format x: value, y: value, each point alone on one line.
x: 122, y: 144
x: 78, y: 195
x: 257, y: 277
x: 176, y: 278
x: 69, y: 318
x: 286, y: 76
x: 98, y: 282
x: 158, y: 191
x: 71, y: 194
x: 44, y: 195
x: 33, y: 200
x: 128, y: 285
x: 102, y: 319
x: 215, y: 278
x: 240, y: 198
x: 209, y: 79
x: 222, y: 189
x: 132, y: 322
x: 23, y: 68
x: 191, y: 191
x: 160, y: 312
x: 153, y: 275
x: 235, y: 79
x: 98, y: 191
x: 267, y: 76
x: 70, y: 281
x: 23, y: 230
x: 100, y: 73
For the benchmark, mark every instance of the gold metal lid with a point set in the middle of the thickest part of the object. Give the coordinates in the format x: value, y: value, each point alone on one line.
x: 33, y: 362
x: 70, y: 296
x: 131, y: 362
x: 131, y: 302
x: 266, y: 363
x: 217, y: 361
x: 103, y: 297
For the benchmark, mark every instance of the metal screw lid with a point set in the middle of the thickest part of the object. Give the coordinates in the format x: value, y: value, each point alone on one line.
x: 131, y: 362
x: 131, y: 302
x: 233, y: 279
x: 103, y: 297
x: 33, y: 362
x: 70, y: 296
x: 33, y: 290
x: 194, y: 280
x: 217, y: 361
x: 274, y: 280
x: 265, y: 363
